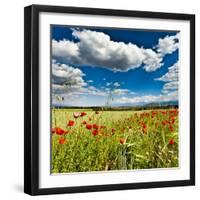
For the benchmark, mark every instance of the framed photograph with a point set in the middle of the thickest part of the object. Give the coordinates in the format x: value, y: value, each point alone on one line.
x: 109, y: 100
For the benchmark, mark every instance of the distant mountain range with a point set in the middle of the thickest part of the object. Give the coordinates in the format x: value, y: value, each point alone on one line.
x: 152, y: 104
x: 148, y: 105
x: 164, y: 103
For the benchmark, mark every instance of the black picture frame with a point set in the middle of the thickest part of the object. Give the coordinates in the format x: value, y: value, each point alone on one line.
x: 31, y: 98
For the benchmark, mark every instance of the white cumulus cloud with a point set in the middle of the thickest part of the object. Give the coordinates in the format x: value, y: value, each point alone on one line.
x: 171, y: 75
x: 171, y: 85
x: 66, y: 79
x: 98, y: 49
x: 152, y: 61
x: 168, y: 44
x: 172, y: 96
x: 170, y: 78
x: 116, y: 84
x: 65, y: 50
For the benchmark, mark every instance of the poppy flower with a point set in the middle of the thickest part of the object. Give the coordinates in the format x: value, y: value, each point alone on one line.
x: 122, y: 140
x: 89, y: 126
x: 144, y: 128
x: 173, y: 120
x: 153, y: 113
x: 97, y: 112
x: 171, y: 142
x: 76, y: 115
x: 84, y: 122
x: 95, y: 132
x: 83, y: 114
x: 59, y: 131
x: 95, y: 126
x: 113, y: 130
x: 71, y: 123
x: 171, y: 128
x: 173, y: 112
x: 62, y: 141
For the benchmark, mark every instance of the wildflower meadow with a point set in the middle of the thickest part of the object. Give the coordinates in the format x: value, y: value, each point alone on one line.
x: 85, y: 140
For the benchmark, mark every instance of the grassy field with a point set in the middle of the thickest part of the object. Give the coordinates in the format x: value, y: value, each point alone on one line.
x: 86, y: 140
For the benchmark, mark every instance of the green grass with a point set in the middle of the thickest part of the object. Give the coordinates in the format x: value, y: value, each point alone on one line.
x: 126, y: 140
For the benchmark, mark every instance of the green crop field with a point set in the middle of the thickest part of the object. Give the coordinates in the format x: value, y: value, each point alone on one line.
x: 87, y: 140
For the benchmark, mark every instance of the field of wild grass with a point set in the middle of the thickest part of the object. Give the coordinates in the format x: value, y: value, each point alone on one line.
x: 86, y: 140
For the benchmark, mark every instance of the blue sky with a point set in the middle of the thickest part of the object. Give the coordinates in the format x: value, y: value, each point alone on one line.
x: 133, y: 66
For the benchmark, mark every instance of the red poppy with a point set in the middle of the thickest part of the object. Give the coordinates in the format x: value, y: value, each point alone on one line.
x: 62, y: 141
x: 89, y: 126
x: 59, y: 131
x: 173, y: 120
x: 173, y: 112
x: 153, y: 113
x: 171, y: 142
x: 95, y: 126
x: 95, y: 132
x: 122, y: 140
x: 71, y: 123
x: 83, y: 114
x: 171, y: 128
x: 164, y: 112
x: 76, y: 115
x: 144, y: 128
x: 113, y: 130
x: 97, y: 112
x: 84, y: 122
